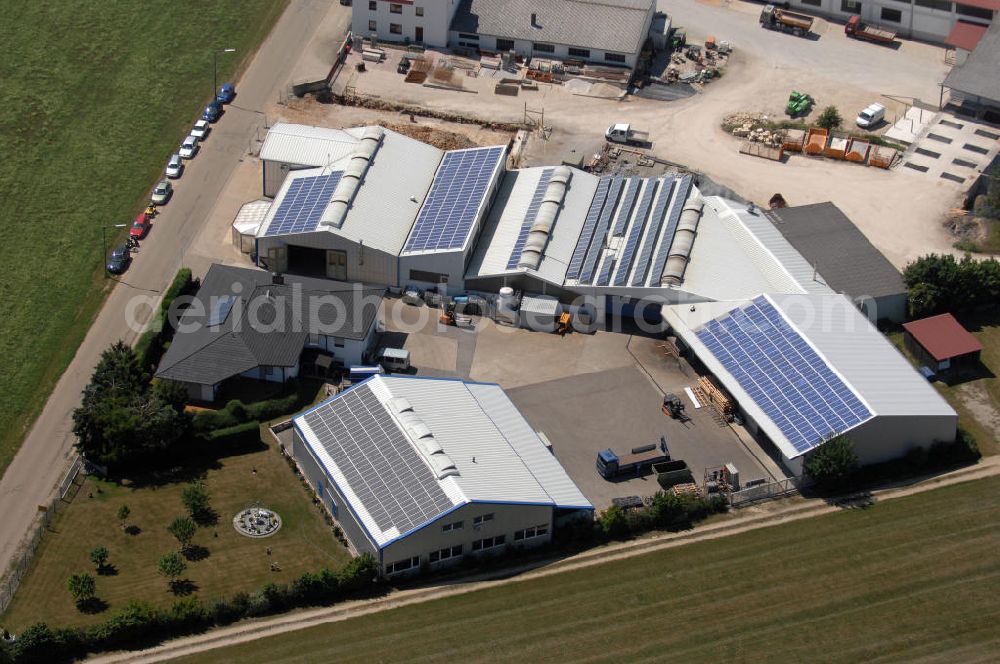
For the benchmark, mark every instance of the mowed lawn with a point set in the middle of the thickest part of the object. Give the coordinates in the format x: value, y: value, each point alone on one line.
x: 913, y: 579
x: 234, y: 562
x: 94, y: 97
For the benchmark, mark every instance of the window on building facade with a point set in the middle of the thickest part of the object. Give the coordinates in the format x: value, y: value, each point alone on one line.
x: 850, y: 6
x: 579, y: 52
x: 939, y: 5
x: 543, y: 48
x: 464, y: 35
x: 395, y: 29
x: 479, y: 520
x: 395, y: 9
x: 975, y: 12
x: 814, y: 3
x: 372, y: 5
x: 419, y: 11
x: 528, y: 533
x: 891, y: 15
x: 372, y: 26
x: 429, y: 277
x: 402, y: 565
x: 457, y: 525
x: 445, y: 553
x: 614, y: 57
x: 488, y: 543
x: 505, y: 44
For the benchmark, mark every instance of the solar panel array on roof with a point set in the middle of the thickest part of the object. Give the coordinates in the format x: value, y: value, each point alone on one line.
x: 601, y: 231
x: 605, y: 274
x: 389, y: 477
x: 660, y: 263
x: 303, y: 204
x: 783, y: 375
x: 458, y: 189
x: 655, y: 223
x: 529, y: 218
x: 589, y: 225
x: 628, y: 202
x: 641, y: 214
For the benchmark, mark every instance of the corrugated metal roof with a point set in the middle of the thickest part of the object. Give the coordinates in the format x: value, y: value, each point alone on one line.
x: 965, y: 36
x: 847, y: 341
x: 304, y: 145
x: 977, y: 76
x: 943, y: 336
x: 606, y: 25
x: 388, y: 199
x: 499, y: 457
x: 545, y: 305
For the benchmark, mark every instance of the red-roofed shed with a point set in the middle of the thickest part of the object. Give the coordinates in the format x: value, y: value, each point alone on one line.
x: 941, y: 342
x: 965, y: 35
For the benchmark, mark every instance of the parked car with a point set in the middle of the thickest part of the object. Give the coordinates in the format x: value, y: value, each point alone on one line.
x: 871, y: 116
x: 120, y: 258
x: 139, y: 227
x: 226, y: 93
x: 189, y: 148
x: 175, y: 166
x: 413, y: 295
x: 161, y: 192
x: 201, y: 129
x: 212, y: 112
x: 404, y: 65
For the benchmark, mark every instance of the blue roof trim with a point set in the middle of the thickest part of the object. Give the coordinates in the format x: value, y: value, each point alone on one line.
x: 328, y: 400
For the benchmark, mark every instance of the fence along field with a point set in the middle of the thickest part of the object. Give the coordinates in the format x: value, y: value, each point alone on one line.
x: 93, y: 99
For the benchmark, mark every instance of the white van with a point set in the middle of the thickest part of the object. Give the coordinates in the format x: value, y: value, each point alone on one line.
x: 871, y: 116
x: 394, y: 359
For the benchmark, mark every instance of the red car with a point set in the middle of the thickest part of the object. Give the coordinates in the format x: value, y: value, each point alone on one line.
x: 139, y: 227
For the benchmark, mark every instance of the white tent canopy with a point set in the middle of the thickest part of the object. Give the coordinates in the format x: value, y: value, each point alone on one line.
x: 247, y: 222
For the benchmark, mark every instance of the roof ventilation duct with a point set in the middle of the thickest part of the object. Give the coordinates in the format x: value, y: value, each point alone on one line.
x: 350, y: 181
x: 538, y: 236
x: 680, y: 250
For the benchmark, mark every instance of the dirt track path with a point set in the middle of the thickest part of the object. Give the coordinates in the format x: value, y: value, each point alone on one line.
x: 787, y: 513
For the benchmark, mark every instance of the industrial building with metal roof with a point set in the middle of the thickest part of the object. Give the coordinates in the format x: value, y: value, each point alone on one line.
x: 804, y: 368
x: 974, y: 83
x: 249, y: 323
x: 424, y: 471
x: 941, y: 343
x: 846, y: 259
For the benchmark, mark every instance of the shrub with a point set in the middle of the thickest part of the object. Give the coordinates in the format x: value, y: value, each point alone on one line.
x: 82, y: 587
x: 196, y: 498
x: 833, y: 464
x: 99, y: 556
x: 35, y: 644
x: 238, y: 436
x: 187, y: 611
x: 171, y: 565
x: 830, y: 118
x: 613, y: 523
x: 357, y: 574
x: 183, y: 529
x: 134, y: 621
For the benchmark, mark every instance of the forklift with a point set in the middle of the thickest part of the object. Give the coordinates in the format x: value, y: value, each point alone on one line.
x: 449, y: 317
x: 674, y: 407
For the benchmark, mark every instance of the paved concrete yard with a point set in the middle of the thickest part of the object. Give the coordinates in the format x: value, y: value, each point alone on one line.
x: 620, y: 409
x: 952, y: 147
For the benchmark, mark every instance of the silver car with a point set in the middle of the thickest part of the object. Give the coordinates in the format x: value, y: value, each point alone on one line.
x: 175, y: 166
x: 161, y: 192
x: 201, y: 129
x: 189, y: 147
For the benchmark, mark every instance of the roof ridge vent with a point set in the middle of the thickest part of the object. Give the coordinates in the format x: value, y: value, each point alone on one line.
x: 350, y: 181
x: 538, y: 236
x: 422, y: 436
x: 680, y: 249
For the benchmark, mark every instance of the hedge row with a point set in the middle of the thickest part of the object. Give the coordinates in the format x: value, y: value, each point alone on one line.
x: 151, y: 345
x: 666, y: 511
x: 236, y: 412
x: 139, y: 624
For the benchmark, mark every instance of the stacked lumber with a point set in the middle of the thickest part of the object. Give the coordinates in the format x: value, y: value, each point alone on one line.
x: 688, y: 488
x: 418, y: 71
x: 716, y: 398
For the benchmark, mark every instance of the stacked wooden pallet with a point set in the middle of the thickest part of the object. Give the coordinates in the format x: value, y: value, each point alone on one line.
x: 716, y: 398
x: 688, y: 488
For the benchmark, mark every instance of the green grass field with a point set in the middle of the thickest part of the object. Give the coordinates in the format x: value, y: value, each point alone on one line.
x: 914, y: 579
x: 94, y: 97
x: 234, y: 563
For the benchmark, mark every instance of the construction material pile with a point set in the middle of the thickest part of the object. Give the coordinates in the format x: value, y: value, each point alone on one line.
x: 753, y: 127
x: 439, y: 138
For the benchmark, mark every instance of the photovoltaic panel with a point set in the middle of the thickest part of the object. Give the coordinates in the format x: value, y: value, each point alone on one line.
x: 388, y: 476
x: 628, y: 203
x: 673, y: 217
x: 605, y: 274
x: 303, y: 204
x: 642, y: 212
x: 589, y: 225
x: 529, y: 218
x: 783, y: 375
x: 653, y: 233
x: 455, y: 196
x: 601, y: 231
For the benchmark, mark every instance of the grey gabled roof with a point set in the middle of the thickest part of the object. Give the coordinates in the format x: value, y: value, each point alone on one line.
x: 977, y: 76
x: 607, y: 25
x: 267, y: 326
x: 840, y: 252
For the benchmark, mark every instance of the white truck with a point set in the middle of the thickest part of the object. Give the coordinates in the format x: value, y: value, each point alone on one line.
x: 624, y: 133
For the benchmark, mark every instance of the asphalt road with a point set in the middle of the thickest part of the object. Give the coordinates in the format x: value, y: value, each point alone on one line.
x: 44, y: 456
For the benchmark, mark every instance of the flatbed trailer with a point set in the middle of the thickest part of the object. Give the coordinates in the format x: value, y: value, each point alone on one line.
x: 860, y: 30
x: 638, y: 462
